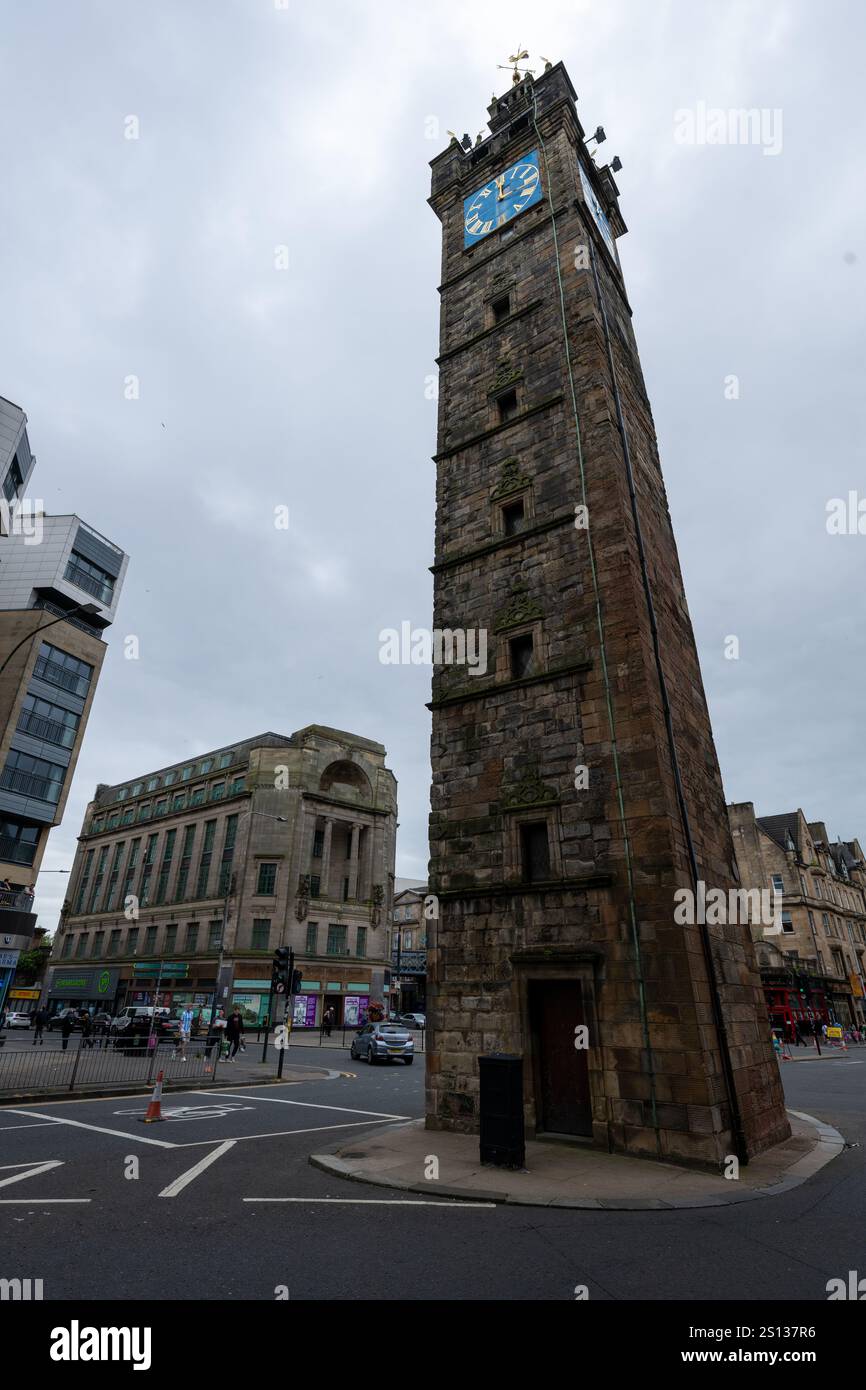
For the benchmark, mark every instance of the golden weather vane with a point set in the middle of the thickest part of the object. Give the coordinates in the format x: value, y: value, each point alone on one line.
x: 516, y: 71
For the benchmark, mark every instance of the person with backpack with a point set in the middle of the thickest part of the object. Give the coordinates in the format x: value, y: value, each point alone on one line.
x: 234, y: 1032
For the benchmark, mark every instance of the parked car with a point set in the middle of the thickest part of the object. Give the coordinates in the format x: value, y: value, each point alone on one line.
x: 132, y: 1026
x: 410, y: 1020
x: 18, y: 1020
x: 380, y: 1042
x: 56, y: 1020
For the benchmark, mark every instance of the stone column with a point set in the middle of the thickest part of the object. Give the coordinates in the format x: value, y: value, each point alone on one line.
x: 353, y: 860
x: 365, y: 887
x: 325, y: 871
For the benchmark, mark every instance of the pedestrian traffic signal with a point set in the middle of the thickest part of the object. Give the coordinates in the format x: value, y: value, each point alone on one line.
x: 280, y: 971
x: 296, y: 981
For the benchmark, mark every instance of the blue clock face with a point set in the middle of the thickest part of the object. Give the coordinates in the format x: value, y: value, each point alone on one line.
x: 514, y: 190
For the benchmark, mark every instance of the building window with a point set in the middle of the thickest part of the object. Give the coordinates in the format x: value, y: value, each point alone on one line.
x: 48, y: 721
x: 137, y: 789
x: 205, y: 860
x: 237, y: 786
x: 345, y: 890
x: 98, y: 938
x: 513, y: 517
x: 206, y: 765
x: 147, y: 870
x: 160, y: 808
x: 81, y: 944
x: 214, y: 935
x: 179, y: 801
x: 521, y: 656
x: 100, y: 874
x: 197, y: 797
x: 152, y: 784
x: 315, y: 886
x: 318, y: 844
x: 225, y: 759
x: 185, y: 861
x: 336, y: 940
x: 150, y: 941
x: 128, y: 816
x: 131, y: 866
x: 84, y: 574
x: 170, y: 943
x: 191, y: 936
x: 114, y: 941
x: 18, y: 841
x: 34, y: 777
x: 266, y: 885
x: 506, y: 404
x: 132, y: 941
x: 82, y: 887
x: 312, y: 938
x: 67, y: 944
x: 825, y: 922
x: 60, y: 669
x: 361, y: 942
x: 217, y: 791
x: 169, y: 778
x: 115, y: 874
x: 778, y: 884
x: 535, y: 852
x: 261, y: 933
x: 144, y: 811
x: 227, y: 855
x: 500, y: 307
x: 165, y: 866
x: 186, y: 774
x: 787, y: 924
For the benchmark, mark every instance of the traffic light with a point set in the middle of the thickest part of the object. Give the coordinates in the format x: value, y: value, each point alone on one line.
x: 296, y: 981
x: 280, y: 971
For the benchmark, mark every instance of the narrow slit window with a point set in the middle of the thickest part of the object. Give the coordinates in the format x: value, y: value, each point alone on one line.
x: 507, y: 404
x: 501, y: 307
x: 522, y: 652
x: 534, y: 852
x: 513, y: 517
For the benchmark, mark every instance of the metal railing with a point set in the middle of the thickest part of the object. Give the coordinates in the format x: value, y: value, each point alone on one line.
x: 49, y: 730
x: 17, y: 902
x: 58, y: 675
x: 105, y: 1062
x: 42, y: 788
x: 16, y: 851
x: 82, y: 580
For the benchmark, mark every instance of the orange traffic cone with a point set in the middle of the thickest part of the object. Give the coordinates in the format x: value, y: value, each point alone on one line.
x: 153, y: 1109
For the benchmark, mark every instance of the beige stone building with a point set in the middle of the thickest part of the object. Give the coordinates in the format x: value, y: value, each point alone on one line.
x: 817, y: 962
x: 210, y: 864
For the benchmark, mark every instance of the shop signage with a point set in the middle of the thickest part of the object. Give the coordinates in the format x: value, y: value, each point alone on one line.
x: 24, y: 994
x: 84, y: 983
x: 8, y: 960
x: 173, y: 968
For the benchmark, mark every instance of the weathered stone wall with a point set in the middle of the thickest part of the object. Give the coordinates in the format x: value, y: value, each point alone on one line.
x: 504, y: 751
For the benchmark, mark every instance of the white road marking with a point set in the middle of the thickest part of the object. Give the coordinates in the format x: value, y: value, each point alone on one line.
x: 42, y: 1125
x: 33, y: 1168
x: 117, y: 1133
x: 374, y: 1202
x: 33, y: 1171
x: 279, y: 1133
x: 192, y: 1173
x: 308, y: 1104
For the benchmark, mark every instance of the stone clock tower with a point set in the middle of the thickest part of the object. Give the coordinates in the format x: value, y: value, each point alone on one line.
x: 575, y: 782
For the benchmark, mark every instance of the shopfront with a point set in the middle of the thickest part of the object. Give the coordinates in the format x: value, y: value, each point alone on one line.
x: 349, y: 1003
x: 94, y: 989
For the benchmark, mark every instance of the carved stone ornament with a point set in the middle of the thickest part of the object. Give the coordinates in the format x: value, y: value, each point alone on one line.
x: 302, y: 901
x: 506, y: 375
x: 511, y: 479
x: 520, y: 608
x: 529, y: 791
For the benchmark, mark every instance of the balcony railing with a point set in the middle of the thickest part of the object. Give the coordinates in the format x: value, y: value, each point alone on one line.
x: 49, y: 730
x: 42, y: 788
x: 56, y: 674
x: 82, y: 580
x: 16, y: 902
x: 16, y: 851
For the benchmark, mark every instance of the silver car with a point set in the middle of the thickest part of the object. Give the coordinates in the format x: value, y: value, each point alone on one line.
x: 379, y: 1042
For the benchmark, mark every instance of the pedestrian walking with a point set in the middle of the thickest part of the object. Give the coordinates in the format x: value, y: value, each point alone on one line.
x: 86, y: 1028
x: 186, y: 1021
x: 328, y: 1021
x: 40, y: 1018
x: 234, y: 1033
x: 215, y: 1031
x: 66, y: 1028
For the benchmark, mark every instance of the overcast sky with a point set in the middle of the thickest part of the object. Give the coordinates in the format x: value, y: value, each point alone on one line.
x: 307, y: 128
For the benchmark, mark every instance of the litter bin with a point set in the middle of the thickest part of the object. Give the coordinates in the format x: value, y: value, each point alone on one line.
x: 501, y: 1110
